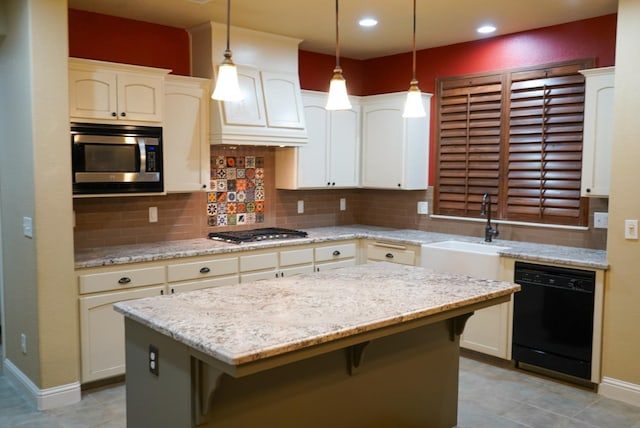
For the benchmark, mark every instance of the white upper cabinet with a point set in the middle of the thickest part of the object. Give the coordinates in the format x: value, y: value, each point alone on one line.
x: 186, y: 134
x: 331, y: 157
x: 395, y: 150
x: 598, y: 131
x: 271, y: 111
x: 108, y: 92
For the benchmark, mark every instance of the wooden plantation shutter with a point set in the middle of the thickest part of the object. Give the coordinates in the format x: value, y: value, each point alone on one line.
x: 516, y: 135
x: 468, y: 162
x: 544, y: 157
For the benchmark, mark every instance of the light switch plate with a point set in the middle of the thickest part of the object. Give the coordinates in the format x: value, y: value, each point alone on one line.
x: 423, y: 207
x: 631, y: 229
x: 601, y: 220
x: 300, y: 207
x: 153, y: 214
x: 343, y: 204
x: 27, y: 227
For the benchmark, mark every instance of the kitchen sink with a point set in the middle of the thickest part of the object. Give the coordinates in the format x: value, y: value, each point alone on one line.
x: 472, y: 247
x: 467, y: 258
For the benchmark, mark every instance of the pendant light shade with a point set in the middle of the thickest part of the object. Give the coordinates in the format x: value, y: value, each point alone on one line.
x: 414, y: 107
x: 338, y: 97
x: 227, y: 86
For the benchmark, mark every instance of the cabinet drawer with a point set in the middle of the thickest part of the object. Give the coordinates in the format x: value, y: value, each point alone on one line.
x: 335, y: 252
x: 391, y: 253
x: 202, y: 269
x: 335, y: 265
x: 258, y: 262
x: 258, y: 276
x: 205, y: 283
x: 118, y: 280
x: 296, y: 257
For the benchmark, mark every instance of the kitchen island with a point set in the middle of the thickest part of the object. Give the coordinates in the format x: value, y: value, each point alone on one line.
x: 374, y: 345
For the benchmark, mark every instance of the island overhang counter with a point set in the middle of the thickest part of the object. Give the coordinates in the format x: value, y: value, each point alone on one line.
x: 374, y: 345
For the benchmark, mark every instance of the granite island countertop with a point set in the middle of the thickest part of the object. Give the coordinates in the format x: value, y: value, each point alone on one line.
x: 108, y: 256
x: 244, y: 323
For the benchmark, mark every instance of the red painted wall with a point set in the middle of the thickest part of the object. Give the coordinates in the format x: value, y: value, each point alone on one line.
x: 109, y: 38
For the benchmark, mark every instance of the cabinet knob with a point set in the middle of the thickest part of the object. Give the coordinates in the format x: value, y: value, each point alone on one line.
x: 336, y: 253
x: 113, y: 114
x: 399, y: 184
x: 124, y: 280
x: 389, y: 255
x: 328, y: 183
x: 123, y: 114
x: 205, y: 270
x: 588, y: 190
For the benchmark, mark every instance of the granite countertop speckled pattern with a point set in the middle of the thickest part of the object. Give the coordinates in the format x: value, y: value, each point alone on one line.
x: 238, y: 324
x: 106, y: 256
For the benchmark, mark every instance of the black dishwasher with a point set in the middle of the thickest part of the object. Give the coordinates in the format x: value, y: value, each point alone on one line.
x: 553, y: 318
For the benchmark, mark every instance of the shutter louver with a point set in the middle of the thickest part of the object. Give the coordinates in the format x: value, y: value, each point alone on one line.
x: 545, y: 146
x: 469, y: 141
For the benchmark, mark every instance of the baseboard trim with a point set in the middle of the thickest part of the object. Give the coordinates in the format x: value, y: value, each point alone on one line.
x: 620, y: 390
x: 43, y: 399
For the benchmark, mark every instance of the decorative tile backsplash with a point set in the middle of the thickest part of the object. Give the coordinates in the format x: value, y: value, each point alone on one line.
x: 239, y: 196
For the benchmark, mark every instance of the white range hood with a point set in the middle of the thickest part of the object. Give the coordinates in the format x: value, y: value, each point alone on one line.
x: 271, y: 111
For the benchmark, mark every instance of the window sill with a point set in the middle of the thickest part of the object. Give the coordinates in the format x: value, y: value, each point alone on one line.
x: 514, y: 223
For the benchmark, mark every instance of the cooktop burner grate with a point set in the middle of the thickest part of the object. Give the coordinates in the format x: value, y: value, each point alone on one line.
x: 263, y: 234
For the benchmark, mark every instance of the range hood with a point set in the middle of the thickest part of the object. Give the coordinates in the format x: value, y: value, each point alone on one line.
x: 271, y: 111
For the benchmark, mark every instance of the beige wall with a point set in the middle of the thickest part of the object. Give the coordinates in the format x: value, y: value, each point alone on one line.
x: 622, y: 298
x: 40, y: 294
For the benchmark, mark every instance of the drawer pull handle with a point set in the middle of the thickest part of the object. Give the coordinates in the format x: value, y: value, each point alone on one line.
x: 336, y: 253
x: 124, y: 280
x: 389, y: 255
x: 205, y: 270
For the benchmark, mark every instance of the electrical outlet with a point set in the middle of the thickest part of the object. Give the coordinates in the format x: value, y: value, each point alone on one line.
x: 423, y: 207
x: 343, y: 204
x: 23, y: 343
x: 154, y: 360
x: 300, y: 207
x: 153, y: 214
x: 27, y: 227
x: 601, y: 220
x: 631, y: 229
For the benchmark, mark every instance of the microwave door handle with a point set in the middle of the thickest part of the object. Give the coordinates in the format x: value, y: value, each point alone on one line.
x: 142, y: 168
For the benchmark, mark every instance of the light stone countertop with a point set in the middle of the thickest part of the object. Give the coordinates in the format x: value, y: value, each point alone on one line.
x: 242, y: 323
x: 107, y: 256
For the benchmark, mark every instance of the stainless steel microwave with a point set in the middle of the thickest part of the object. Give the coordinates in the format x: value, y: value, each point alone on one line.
x: 116, y: 158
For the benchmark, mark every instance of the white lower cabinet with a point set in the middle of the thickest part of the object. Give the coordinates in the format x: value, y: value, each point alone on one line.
x: 205, y: 273
x: 102, y: 332
x: 335, y: 256
x: 276, y: 264
x: 392, y: 252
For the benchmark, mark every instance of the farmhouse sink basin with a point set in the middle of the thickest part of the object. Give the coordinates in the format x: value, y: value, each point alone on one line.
x: 470, y: 247
x: 467, y: 258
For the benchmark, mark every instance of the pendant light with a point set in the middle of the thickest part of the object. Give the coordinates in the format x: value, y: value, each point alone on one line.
x: 338, y: 98
x: 413, y: 107
x: 227, y: 86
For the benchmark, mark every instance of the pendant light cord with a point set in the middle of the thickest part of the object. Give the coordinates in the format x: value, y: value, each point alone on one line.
x: 228, y: 51
x: 337, y: 36
x: 414, y: 40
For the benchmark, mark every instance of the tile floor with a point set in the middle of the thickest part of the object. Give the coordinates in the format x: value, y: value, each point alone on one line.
x: 490, y: 396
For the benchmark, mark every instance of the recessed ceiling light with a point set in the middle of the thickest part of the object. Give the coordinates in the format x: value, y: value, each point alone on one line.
x: 486, y: 29
x: 368, y: 22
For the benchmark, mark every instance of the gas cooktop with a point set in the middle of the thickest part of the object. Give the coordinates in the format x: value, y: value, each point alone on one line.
x: 263, y: 234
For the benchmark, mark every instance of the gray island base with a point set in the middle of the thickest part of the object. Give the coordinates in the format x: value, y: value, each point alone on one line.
x: 375, y: 345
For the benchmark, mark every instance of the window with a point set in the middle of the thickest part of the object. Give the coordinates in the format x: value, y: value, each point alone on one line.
x: 516, y: 135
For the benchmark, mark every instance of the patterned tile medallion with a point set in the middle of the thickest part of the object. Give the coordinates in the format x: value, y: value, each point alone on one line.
x: 239, y: 196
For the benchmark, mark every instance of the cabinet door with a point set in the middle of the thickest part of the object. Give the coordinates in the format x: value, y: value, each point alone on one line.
x: 102, y: 332
x: 250, y: 109
x: 140, y: 97
x: 383, y: 146
x: 344, y: 147
x: 312, y: 158
x: 93, y: 94
x: 185, y: 137
x: 283, y: 101
x: 598, y: 131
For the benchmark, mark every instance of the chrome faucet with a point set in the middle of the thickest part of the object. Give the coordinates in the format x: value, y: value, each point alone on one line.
x: 485, y: 209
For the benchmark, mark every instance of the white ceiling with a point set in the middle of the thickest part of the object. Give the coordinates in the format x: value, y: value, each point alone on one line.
x: 439, y: 22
